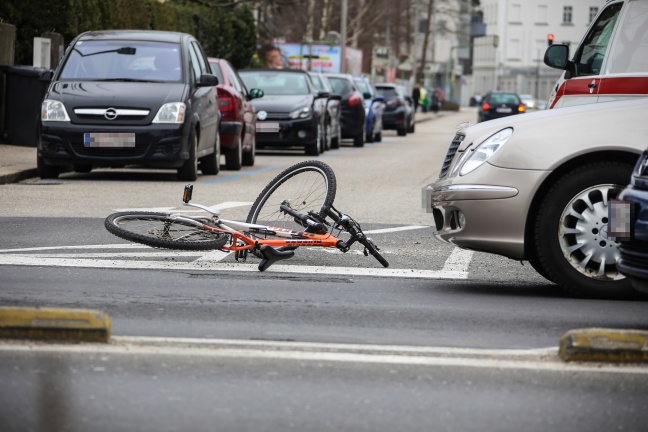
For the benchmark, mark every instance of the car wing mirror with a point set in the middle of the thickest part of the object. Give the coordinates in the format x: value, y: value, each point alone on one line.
x: 322, y: 94
x: 256, y: 93
x: 46, y: 75
x: 557, y: 56
x: 207, y: 80
x: 366, y: 95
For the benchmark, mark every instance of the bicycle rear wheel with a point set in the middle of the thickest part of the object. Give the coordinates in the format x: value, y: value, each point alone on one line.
x: 308, y: 186
x: 160, y: 230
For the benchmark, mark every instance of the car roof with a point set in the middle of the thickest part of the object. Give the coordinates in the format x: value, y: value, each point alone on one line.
x: 386, y: 85
x: 143, y: 35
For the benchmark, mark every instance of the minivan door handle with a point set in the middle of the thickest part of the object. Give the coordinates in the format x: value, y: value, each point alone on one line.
x: 592, y: 85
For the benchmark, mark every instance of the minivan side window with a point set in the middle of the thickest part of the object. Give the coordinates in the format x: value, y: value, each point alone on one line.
x: 590, y: 58
x: 630, y: 50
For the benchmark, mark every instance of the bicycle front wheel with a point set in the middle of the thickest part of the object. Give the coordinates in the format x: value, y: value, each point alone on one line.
x: 306, y: 187
x: 160, y: 230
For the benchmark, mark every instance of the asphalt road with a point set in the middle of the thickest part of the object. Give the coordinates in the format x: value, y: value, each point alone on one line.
x: 443, y: 339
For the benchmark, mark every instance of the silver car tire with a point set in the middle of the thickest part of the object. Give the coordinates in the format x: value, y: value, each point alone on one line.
x: 570, y: 231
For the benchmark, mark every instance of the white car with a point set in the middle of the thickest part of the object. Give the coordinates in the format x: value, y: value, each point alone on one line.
x: 536, y: 187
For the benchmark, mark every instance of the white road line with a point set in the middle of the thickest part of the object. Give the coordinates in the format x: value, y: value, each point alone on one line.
x: 458, y: 261
x: 123, y: 346
x: 389, y: 230
x: 103, y: 246
x: 221, y: 206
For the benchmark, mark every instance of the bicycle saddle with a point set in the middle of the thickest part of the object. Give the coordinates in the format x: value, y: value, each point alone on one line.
x: 272, y: 255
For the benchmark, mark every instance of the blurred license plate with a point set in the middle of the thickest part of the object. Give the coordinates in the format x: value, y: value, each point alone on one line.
x: 503, y: 110
x: 267, y: 127
x: 620, y: 217
x: 109, y: 139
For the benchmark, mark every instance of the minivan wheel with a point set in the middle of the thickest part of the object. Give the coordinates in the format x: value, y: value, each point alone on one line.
x: 402, y: 131
x: 570, y: 231
x: 210, y: 164
x: 189, y: 170
x: 46, y: 171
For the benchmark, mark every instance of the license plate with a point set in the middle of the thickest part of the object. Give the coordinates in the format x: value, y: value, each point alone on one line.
x: 620, y: 217
x: 267, y: 127
x: 503, y: 110
x: 109, y: 139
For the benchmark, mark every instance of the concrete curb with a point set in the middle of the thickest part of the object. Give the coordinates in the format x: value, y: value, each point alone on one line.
x: 607, y: 345
x: 17, y: 176
x: 81, y: 325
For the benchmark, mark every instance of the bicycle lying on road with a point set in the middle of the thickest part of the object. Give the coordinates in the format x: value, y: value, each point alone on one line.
x: 295, y: 209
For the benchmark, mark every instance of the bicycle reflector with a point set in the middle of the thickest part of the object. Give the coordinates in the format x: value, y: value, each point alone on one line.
x: 188, y: 190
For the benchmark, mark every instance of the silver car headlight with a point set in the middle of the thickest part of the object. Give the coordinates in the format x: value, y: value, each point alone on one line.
x: 471, y: 160
x: 171, y: 113
x: 53, y: 110
x: 300, y: 113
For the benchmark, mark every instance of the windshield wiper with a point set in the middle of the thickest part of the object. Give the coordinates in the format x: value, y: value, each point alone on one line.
x: 123, y: 79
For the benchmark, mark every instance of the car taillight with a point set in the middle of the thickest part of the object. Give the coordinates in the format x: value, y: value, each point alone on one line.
x: 354, y: 100
x: 485, y: 107
x: 521, y: 108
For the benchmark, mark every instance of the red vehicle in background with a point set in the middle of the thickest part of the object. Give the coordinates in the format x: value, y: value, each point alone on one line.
x: 238, y: 118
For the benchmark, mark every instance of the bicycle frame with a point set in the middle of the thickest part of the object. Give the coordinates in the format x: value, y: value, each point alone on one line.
x: 241, y: 242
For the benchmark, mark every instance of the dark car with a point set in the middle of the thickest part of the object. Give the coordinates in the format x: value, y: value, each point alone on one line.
x: 238, y: 118
x: 374, y: 107
x: 629, y: 221
x: 332, y: 125
x: 288, y: 114
x: 499, y: 104
x: 131, y: 97
x: 353, y: 111
x: 398, y: 114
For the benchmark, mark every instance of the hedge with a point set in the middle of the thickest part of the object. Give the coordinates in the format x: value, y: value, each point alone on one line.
x: 224, y: 30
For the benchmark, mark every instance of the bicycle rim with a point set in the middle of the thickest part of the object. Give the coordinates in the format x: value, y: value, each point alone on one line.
x: 159, y: 230
x: 306, y: 186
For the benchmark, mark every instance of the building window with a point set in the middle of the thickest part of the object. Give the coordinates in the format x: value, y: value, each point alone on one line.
x: 541, y: 14
x: 516, y: 14
x: 593, y: 10
x: 567, y: 14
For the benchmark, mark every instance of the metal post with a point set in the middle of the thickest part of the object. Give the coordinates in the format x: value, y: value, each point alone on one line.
x: 343, y: 30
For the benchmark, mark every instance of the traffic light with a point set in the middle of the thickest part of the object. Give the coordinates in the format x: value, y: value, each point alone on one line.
x: 550, y: 38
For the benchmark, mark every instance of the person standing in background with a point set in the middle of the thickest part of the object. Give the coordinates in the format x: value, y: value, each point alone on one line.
x: 416, y: 95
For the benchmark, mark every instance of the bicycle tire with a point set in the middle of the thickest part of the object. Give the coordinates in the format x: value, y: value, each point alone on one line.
x: 307, y: 186
x: 159, y: 230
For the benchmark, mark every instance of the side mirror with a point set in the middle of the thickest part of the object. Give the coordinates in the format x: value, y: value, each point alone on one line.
x: 557, y: 56
x: 207, y: 80
x: 46, y: 75
x: 256, y: 93
x: 322, y: 94
x: 366, y: 95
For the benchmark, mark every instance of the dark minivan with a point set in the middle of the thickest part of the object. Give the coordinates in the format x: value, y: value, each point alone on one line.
x: 131, y: 97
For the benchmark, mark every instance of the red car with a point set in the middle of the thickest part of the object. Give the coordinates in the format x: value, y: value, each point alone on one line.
x: 238, y: 118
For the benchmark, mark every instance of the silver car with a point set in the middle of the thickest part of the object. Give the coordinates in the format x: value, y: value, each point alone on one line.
x: 537, y: 186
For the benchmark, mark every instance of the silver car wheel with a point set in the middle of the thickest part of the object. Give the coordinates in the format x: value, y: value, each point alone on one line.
x: 583, y: 233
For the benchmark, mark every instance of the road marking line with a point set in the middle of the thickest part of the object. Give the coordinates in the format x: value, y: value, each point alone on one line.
x: 128, y: 346
x: 102, y: 246
x: 239, y: 175
x: 221, y: 206
x: 396, y: 229
x: 201, y: 265
x: 458, y: 261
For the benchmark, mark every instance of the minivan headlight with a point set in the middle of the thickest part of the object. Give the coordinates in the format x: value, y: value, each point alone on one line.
x: 475, y: 158
x: 53, y: 110
x: 171, y: 113
x: 300, y: 113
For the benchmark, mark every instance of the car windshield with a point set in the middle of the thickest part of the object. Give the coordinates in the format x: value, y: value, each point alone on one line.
x: 317, y: 82
x: 363, y: 87
x: 389, y: 93
x: 216, y: 70
x: 340, y: 85
x: 276, y: 83
x: 123, y: 61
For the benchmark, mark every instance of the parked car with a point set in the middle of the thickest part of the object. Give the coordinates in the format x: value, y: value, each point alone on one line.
x: 629, y: 223
x: 288, y: 114
x: 238, y: 118
x: 353, y: 115
x: 500, y: 104
x: 410, y: 107
x: 332, y: 124
x: 374, y: 107
x: 398, y: 114
x: 537, y: 187
x: 609, y: 63
x: 126, y: 97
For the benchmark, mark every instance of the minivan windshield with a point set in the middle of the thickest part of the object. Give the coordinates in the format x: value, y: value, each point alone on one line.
x: 104, y: 60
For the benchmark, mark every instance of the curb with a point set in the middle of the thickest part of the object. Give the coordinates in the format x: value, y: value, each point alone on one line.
x: 81, y: 325
x: 608, y: 345
x: 17, y: 176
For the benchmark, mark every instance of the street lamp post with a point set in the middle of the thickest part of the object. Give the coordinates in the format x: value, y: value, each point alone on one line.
x: 343, y: 30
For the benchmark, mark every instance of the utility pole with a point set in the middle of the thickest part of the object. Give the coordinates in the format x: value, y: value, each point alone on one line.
x: 343, y: 30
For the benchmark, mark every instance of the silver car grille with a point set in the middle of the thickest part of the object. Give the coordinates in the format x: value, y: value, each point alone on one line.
x: 452, y: 151
x: 111, y: 113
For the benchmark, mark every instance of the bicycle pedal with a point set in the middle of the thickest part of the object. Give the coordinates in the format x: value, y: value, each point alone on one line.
x: 188, y: 192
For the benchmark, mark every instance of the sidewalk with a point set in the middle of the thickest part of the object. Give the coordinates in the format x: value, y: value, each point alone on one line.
x: 19, y: 163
